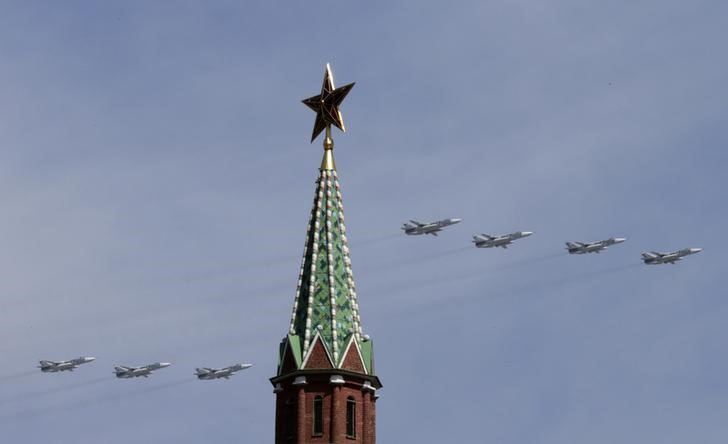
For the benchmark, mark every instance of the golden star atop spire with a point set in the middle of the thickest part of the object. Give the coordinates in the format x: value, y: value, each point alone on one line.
x: 327, y: 104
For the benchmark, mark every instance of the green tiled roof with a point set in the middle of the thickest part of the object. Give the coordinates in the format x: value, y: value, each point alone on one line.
x: 326, y: 300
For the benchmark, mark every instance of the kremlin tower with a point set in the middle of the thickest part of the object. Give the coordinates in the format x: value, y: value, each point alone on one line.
x: 325, y: 385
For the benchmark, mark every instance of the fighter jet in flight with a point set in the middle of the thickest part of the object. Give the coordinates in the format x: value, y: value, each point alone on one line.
x: 655, y: 258
x: 134, y: 372
x: 414, y: 228
x: 592, y: 247
x: 60, y: 366
x: 488, y: 241
x: 217, y: 373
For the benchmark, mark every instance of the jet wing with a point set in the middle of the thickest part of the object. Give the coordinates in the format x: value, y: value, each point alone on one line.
x: 419, y: 224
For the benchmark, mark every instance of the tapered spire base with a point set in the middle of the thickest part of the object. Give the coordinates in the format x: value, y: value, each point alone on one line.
x: 327, y: 163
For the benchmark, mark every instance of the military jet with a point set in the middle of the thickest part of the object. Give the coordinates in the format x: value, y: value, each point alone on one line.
x: 488, y: 241
x: 134, y: 372
x: 655, y: 258
x: 60, y: 366
x: 414, y: 228
x: 217, y: 373
x: 592, y: 247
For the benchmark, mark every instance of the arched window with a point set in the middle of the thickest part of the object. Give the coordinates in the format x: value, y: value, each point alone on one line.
x: 318, y: 415
x: 351, y: 417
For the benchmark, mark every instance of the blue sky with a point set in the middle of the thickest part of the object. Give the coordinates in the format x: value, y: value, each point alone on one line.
x: 156, y: 180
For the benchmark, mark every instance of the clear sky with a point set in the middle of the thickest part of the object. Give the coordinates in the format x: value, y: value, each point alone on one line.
x: 156, y: 179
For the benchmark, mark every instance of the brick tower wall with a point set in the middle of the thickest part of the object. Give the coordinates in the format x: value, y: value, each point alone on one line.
x: 294, y: 412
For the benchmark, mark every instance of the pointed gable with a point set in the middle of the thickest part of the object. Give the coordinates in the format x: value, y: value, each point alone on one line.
x: 290, y: 354
x: 289, y: 362
x: 317, y: 358
x: 352, y: 358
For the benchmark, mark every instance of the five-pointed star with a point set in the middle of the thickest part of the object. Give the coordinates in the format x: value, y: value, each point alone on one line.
x: 327, y: 104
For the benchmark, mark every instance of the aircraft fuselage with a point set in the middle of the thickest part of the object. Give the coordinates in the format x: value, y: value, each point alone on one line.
x: 70, y: 365
x: 486, y: 241
x: 655, y: 258
x: 135, y: 372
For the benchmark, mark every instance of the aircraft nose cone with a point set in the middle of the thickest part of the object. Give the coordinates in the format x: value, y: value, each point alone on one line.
x: 165, y: 364
x: 455, y: 220
x: 619, y: 240
x: 526, y: 233
x: 696, y: 250
x: 89, y: 359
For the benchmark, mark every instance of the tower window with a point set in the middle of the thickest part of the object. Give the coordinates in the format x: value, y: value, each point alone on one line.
x: 350, y: 417
x: 318, y: 415
x: 289, y: 432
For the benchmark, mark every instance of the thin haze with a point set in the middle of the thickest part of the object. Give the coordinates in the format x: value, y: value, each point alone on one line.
x: 156, y: 180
